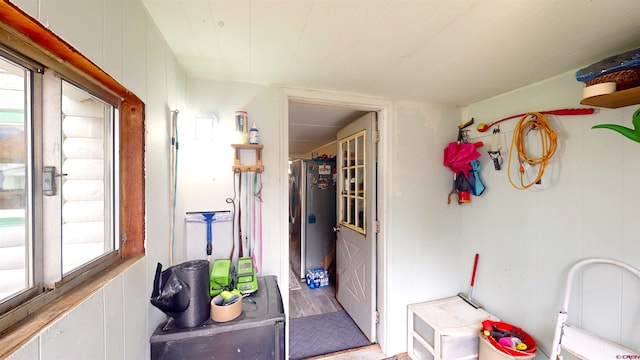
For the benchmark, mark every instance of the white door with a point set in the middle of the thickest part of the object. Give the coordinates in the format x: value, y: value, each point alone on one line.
x: 356, y: 217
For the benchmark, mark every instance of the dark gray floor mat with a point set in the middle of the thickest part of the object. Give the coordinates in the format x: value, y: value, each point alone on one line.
x: 322, y: 334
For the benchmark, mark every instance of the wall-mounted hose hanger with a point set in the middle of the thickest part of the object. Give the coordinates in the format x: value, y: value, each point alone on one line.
x: 532, y: 123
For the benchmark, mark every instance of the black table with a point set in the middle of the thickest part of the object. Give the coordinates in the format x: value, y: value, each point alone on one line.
x: 258, y: 333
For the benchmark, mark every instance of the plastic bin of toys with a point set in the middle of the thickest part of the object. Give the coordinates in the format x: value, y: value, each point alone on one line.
x: 501, y: 340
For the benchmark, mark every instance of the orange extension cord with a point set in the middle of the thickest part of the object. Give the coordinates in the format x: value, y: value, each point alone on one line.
x: 548, y: 141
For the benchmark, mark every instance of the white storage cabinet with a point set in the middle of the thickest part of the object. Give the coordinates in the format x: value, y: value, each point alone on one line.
x: 445, y: 329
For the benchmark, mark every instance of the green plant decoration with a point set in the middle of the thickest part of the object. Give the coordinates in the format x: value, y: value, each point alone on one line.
x: 633, y: 134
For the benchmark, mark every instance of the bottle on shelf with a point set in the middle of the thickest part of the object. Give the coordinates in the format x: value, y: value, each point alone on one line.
x: 253, y: 134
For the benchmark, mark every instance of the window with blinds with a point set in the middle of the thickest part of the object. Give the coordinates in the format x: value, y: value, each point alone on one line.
x: 58, y: 171
x: 87, y: 192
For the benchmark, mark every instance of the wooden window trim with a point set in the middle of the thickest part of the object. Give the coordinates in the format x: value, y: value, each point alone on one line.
x: 31, y: 38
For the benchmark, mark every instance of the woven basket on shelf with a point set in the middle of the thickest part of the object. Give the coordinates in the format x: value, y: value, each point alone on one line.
x: 624, y: 79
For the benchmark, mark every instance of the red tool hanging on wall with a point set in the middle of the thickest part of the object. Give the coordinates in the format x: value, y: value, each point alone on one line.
x: 586, y: 111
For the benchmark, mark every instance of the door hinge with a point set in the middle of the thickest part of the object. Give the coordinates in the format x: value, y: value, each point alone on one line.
x: 377, y: 136
x: 377, y: 317
x: 377, y: 227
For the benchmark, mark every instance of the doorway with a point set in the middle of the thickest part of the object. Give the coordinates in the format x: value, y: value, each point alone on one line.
x: 324, y: 299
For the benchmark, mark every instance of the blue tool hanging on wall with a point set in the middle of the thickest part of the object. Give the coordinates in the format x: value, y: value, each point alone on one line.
x: 209, y: 217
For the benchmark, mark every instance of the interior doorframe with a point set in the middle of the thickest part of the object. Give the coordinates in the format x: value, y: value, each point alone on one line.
x: 383, y: 108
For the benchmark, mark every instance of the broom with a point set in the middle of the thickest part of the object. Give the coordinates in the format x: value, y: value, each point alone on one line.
x: 467, y: 297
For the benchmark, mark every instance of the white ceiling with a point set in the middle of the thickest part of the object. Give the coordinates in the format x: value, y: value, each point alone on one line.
x: 313, y: 126
x: 453, y: 52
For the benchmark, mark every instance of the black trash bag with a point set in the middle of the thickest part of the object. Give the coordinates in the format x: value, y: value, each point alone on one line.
x: 182, y: 292
x: 170, y: 294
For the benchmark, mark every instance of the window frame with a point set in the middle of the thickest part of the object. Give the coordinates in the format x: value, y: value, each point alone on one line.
x: 42, y: 105
x: 23, y: 35
x: 33, y: 109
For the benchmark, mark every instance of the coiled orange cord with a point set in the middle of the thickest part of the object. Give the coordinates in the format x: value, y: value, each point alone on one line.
x: 548, y: 141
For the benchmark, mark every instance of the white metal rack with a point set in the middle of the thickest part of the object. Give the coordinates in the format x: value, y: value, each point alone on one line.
x: 577, y: 341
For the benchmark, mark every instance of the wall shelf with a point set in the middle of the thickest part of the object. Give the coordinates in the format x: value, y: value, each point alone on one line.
x: 237, y: 164
x: 614, y: 100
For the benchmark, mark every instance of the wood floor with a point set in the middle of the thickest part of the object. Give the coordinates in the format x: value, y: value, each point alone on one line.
x: 304, y: 301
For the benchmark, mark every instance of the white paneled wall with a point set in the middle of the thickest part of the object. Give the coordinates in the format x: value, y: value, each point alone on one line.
x: 97, y: 328
x: 586, y: 206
